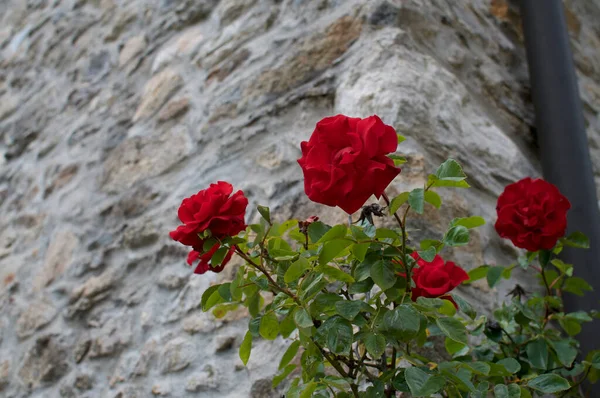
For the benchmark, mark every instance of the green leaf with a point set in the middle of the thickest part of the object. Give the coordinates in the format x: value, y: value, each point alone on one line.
x: 383, y: 274
x: 500, y: 391
x: 289, y: 354
x: 336, y: 232
x: 375, y: 344
x: 296, y: 270
x: 337, y: 274
x: 577, y: 239
x: 480, y: 368
x: 453, y: 328
x: 211, y: 297
x: 398, y: 160
x: 494, y: 274
x: 469, y: 222
x: 564, y: 268
x: 514, y: 391
x: 455, y: 349
x: 302, y: 318
x: 401, y: 138
x: 359, y: 250
x: 477, y: 273
x: 398, y: 201
x: 450, y: 170
x: 348, y: 309
x: 435, y: 182
x: 537, y: 353
x: 337, y: 382
x: 339, y: 335
x: 525, y: 393
x: 265, y: 213
x: 283, y: 374
x: 433, y: 199
x: 428, y: 255
x: 287, y: 325
x: 245, y: 348
x: 564, y: 351
x: 403, y: 322
x: 549, y: 383
x: 464, y: 306
x: 571, y: 326
x: 416, y: 200
x: 308, y: 390
x: 457, y: 236
x: 332, y: 249
x: 316, y: 230
x: 422, y: 384
x: 576, y: 286
x: 269, y: 326
x: 510, y: 364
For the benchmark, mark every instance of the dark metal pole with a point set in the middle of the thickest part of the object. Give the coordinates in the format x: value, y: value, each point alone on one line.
x: 563, y: 143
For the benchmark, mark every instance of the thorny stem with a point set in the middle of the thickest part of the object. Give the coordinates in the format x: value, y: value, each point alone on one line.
x: 402, y: 224
x: 265, y: 273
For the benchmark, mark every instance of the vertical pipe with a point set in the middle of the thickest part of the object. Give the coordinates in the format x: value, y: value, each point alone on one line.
x: 563, y: 144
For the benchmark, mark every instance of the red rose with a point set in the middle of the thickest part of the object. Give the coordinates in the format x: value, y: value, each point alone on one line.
x: 435, y: 279
x: 532, y: 214
x: 215, y: 210
x: 344, y: 162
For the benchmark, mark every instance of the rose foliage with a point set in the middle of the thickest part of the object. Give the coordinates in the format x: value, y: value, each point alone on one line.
x: 368, y: 312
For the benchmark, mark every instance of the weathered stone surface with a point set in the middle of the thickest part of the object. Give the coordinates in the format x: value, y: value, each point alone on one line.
x: 224, y: 342
x: 111, y: 338
x: 174, y: 108
x: 206, y: 380
x: 132, y: 49
x: 263, y: 388
x: 34, y: 317
x: 112, y: 111
x: 4, y: 374
x: 156, y: 92
x: 139, y: 158
x: 44, y: 362
x: 176, y: 355
x: 57, y: 259
x: 181, y: 46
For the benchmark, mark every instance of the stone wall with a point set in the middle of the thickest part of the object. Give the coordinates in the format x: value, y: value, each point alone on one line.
x: 112, y: 111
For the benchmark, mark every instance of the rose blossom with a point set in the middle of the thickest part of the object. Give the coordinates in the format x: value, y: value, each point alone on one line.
x: 213, y: 212
x: 532, y: 214
x: 344, y: 162
x: 436, y: 278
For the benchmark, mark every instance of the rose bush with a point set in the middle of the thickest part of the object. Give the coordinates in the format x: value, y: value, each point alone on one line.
x: 361, y: 305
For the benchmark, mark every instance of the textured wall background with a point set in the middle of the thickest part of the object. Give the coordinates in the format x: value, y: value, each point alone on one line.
x: 112, y: 111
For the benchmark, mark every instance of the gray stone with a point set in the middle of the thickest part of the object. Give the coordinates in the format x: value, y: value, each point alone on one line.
x: 203, y: 381
x: 37, y: 315
x: 57, y: 259
x: 132, y: 50
x: 44, y: 362
x: 263, y: 388
x: 156, y: 92
x: 176, y: 355
x: 4, y: 374
x: 139, y: 158
x: 224, y: 342
x: 111, y: 338
x: 172, y: 279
